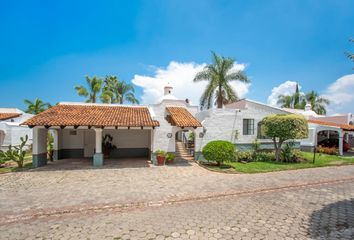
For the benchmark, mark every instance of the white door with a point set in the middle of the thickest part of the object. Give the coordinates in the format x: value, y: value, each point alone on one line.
x: 89, y: 143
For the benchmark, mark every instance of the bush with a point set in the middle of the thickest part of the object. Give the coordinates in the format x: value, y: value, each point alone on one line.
x: 160, y: 153
x: 247, y: 156
x: 16, y: 153
x: 250, y: 156
x: 327, y: 150
x: 170, y: 157
x: 219, y: 151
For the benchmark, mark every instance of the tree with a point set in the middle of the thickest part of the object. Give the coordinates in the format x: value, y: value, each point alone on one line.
x: 109, y: 93
x: 283, y: 127
x: 219, y: 74
x: 219, y: 151
x: 36, y: 107
x: 94, y: 87
x: 318, y: 103
x: 16, y: 154
x: 125, y: 91
x: 285, y: 101
x: 350, y: 55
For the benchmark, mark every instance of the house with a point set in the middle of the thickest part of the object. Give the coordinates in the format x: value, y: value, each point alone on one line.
x: 10, y: 129
x: 135, y: 131
x: 239, y: 123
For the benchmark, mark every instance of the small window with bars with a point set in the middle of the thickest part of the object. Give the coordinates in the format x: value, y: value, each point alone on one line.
x: 248, y: 126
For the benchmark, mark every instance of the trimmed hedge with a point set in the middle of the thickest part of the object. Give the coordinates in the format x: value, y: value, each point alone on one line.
x: 219, y: 151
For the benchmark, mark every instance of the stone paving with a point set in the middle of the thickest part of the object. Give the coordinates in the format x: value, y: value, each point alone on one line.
x: 324, y: 211
x: 135, y: 201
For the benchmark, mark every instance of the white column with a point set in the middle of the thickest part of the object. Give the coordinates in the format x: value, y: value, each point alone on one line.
x: 39, y: 149
x: 340, y: 138
x: 98, y: 140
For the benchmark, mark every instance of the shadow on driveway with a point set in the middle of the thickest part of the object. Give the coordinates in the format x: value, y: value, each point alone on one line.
x: 333, y: 221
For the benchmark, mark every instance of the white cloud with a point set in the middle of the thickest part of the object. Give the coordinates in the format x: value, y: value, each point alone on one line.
x: 286, y: 88
x: 341, y: 95
x: 180, y: 77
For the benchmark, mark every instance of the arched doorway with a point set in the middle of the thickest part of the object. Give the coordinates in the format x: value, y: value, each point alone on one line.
x: 185, y: 144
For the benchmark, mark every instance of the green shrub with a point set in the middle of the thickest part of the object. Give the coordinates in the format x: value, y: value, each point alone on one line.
x: 245, y: 156
x: 219, y: 151
x: 170, y: 157
x: 16, y: 153
x: 160, y: 153
x: 265, y: 157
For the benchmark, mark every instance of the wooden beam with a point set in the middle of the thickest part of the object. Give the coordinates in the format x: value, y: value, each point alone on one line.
x: 47, y: 126
x: 102, y: 127
x: 116, y: 127
x: 142, y: 127
x: 76, y: 126
x: 128, y: 127
x: 62, y: 126
x: 31, y: 126
x: 89, y: 127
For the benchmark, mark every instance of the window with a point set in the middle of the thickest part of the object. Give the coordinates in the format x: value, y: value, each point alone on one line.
x: 73, y: 132
x: 248, y: 126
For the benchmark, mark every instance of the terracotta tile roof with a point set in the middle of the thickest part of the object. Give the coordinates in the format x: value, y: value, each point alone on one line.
x: 346, y: 127
x: 181, y: 117
x: 93, y: 115
x: 5, y: 116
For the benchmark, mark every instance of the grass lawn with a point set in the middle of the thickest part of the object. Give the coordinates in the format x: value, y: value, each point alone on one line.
x: 261, y: 167
x: 12, y: 166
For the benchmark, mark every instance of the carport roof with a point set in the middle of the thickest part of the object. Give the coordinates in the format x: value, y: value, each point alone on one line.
x: 98, y: 115
x: 345, y: 127
x: 5, y: 116
x: 181, y: 117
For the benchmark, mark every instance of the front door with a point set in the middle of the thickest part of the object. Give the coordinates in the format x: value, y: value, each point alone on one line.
x: 89, y: 143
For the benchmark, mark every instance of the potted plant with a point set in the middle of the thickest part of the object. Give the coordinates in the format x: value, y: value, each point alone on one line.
x: 169, y: 158
x: 107, y: 145
x: 160, y: 157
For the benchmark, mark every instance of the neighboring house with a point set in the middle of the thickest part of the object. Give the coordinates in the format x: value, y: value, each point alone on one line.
x: 326, y: 130
x: 10, y: 129
x: 239, y: 123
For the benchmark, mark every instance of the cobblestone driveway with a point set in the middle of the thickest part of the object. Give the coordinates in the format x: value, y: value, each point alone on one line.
x: 181, y: 202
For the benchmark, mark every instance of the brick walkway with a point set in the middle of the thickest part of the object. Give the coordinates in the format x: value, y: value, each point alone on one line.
x: 164, y: 200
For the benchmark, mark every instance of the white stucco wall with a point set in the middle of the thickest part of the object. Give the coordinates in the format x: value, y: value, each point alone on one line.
x: 132, y: 138
x: 160, y: 139
x: 221, y: 124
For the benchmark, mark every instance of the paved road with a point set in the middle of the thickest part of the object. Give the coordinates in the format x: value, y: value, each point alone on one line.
x: 185, y: 202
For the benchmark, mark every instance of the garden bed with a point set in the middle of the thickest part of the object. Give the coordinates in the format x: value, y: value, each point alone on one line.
x: 322, y: 160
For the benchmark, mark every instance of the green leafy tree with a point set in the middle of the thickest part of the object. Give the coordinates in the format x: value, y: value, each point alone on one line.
x: 318, y: 103
x: 283, y: 127
x: 37, y: 106
x: 16, y: 153
x: 219, y: 74
x: 94, y: 85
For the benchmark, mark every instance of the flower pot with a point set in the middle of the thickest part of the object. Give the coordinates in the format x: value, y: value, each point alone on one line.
x: 160, y: 160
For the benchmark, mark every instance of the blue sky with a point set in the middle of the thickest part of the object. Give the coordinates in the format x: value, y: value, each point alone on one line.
x: 47, y: 47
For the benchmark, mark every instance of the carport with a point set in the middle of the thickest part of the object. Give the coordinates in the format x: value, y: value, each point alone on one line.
x: 96, y: 131
x: 322, y: 130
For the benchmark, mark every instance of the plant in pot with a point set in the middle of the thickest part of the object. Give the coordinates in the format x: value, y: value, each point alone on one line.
x: 160, y: 157
x: 169, y: 158
x: 107, y: 145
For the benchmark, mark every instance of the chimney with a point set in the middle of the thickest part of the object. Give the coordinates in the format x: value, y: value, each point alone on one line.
x: 308, y: 107
x: 168, y: 90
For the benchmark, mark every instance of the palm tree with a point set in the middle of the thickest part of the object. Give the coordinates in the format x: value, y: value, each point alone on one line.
x: 94, y: 87
x: 219, y: 74
x: 318, y: 103
x: 285, y: 101
x: 125, y: 91
x: 36, y: 107
x: 109, y: 95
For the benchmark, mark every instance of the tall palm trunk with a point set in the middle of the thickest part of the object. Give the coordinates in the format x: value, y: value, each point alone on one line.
x: 220, y: 98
